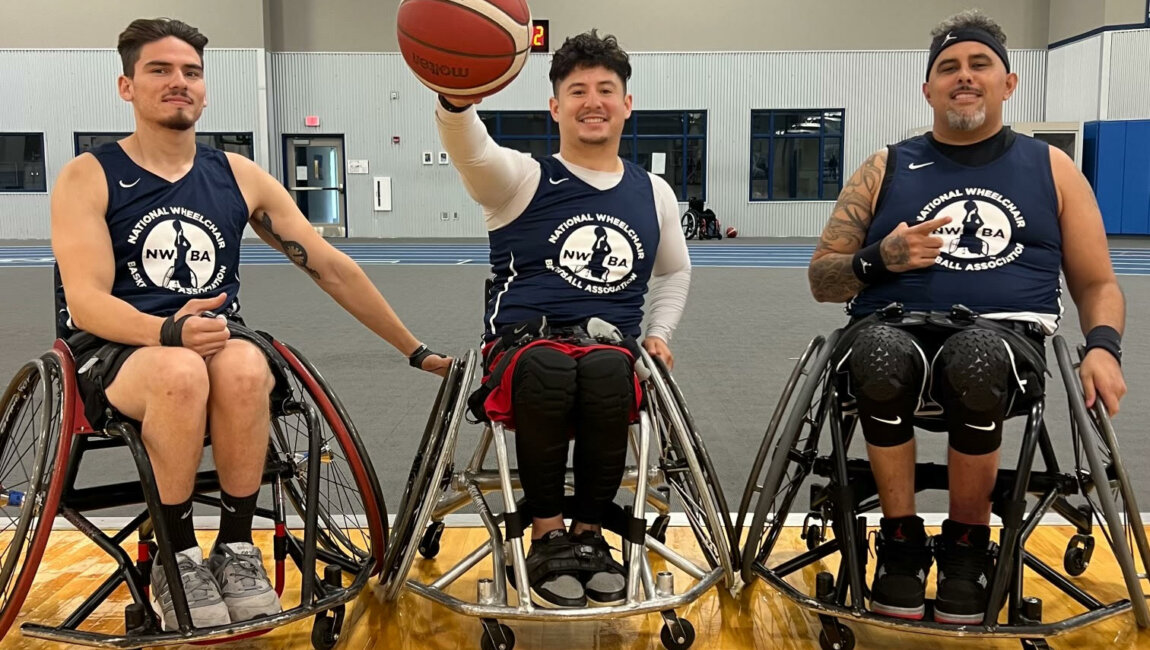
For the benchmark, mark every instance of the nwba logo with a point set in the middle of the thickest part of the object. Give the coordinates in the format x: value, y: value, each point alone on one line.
x: 179, y: 255
x: 597, y: 255
x: 980, y: 234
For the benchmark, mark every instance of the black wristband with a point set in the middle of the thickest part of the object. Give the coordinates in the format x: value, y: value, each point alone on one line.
x: 868, y: 266
x: 421, y: 353
x: 172, y: 331
x: 451, y: 108
x: 1107, y: 338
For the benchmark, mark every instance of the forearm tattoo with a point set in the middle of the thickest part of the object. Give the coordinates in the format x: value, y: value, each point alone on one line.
x: 895, y: 251
x: 831, y: 276
x: 294, y: 250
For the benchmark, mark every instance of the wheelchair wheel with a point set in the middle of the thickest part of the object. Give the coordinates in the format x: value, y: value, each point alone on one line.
x: 792, y: 451
x: 1105, y: 483
x: 430, y: 472
x: 690, y: 224
x: 33, y: 413
x: 352, y: 530
x: 679, y: 448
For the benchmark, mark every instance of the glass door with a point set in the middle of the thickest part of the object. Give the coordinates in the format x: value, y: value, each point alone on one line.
x: 313, y: 173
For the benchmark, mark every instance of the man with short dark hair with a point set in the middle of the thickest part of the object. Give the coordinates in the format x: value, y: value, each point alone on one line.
x: 575, y: 240
x: 147, y: 233
x: 975, y: 215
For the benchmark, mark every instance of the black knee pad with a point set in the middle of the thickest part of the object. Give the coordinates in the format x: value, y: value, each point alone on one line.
x: 974, y: 369
x: 606, y: 384
x: 973, y: 374
x: 544, y: 384
x: 886, y: 365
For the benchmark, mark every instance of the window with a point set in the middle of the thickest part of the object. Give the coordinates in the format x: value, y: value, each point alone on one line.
x: 796, y: 154
x: 22, y: 163
x: 674, y: 142
x: 532, y: 132
x: 240, y: 143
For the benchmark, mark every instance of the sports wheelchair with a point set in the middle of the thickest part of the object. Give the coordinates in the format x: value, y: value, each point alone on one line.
x: 326, y: 505
x: 436, y: 487
x: 808, y: 437
x: 699, y: 222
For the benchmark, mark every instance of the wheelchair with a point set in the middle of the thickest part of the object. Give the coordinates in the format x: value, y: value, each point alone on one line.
x: 436, y: 487
x: 807, y: 441
x: 701, y: 224
x: 327, y: 507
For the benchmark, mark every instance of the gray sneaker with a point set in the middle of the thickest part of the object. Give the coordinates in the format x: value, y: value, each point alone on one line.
x: 239, y: 570
x: 204, y: 602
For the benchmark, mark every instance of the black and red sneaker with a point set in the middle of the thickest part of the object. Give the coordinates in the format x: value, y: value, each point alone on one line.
x: 965, y: 557
x: 902, y: 563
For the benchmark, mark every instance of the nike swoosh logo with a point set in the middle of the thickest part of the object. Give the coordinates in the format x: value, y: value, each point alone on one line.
x: 227, y: 507
x: 556, y: 182
x: 988, y: 427
x: 919, y: 165
x: 896, y: 421
x: 128, y: 185
x: 185, y: 515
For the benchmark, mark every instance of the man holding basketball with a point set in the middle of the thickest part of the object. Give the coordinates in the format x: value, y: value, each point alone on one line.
x: 975, y: 222
x: 576, y: 239
x: 151, y: 339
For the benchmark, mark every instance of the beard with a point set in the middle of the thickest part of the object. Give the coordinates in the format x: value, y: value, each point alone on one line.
x: 178, y: 122
x: 595, y: 140
x: 966, y: 121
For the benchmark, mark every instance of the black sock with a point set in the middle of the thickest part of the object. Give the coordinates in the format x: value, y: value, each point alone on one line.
x: 976, y: 535
x: 236, y: 518
x: 909, y: 529
x: 178, y: 520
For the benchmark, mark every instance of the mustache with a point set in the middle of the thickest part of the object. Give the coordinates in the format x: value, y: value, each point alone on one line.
x: 965, y: 89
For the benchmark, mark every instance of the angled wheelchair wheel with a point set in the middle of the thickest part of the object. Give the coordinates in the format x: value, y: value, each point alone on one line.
x: 690, y: 223
x: 1105, y: 483
x: 33, y: 413
x: 352, y: 518
x: 792, y: 449
x: 689, y: 472
x: 430, y: 472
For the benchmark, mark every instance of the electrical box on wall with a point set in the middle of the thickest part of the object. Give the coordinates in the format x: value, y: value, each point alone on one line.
x: 427, y: 158
x: 382, y: 193
x: 442, y: 157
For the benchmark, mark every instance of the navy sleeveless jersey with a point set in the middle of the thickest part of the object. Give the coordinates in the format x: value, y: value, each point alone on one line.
x: 576, y: 252
x: 1002, y: 250
x: 171, y: 241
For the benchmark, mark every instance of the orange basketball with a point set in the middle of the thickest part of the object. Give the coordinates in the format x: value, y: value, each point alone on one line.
x: 732, y: 232
x: 464, y: 48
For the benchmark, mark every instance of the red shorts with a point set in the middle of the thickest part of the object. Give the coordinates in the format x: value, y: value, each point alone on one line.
x: 498, y: 402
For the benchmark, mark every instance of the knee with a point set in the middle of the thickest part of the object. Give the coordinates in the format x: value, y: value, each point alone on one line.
x: 975, y: 370
x: 606, y: 382
x: 544, y: 383
x: 184, y: 379
x: 886, y: 364
x: 240, y: 371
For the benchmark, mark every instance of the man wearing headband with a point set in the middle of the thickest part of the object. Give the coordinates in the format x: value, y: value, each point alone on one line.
x: 904, y: 231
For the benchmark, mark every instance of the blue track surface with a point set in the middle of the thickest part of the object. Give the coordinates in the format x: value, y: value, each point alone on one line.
x: 1127, y: 261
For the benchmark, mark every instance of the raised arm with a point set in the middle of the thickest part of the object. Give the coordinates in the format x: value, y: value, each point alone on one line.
x: 277, y: 220
x: 841, y: 262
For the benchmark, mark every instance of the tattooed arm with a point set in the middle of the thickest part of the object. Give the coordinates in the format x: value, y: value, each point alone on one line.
x: 277, y: 220
x: 830, y: 274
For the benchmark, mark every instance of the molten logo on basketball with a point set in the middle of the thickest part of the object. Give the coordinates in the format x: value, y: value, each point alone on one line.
x: 439, y: 68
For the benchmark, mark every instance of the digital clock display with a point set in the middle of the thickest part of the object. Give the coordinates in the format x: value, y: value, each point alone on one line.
x: 540, y: 36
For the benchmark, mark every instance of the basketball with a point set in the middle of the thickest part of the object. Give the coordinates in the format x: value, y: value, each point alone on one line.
x: 732, y: 232
x: 464, y: 48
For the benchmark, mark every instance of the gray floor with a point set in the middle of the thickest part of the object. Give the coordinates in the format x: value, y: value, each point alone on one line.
x: 733, y: 350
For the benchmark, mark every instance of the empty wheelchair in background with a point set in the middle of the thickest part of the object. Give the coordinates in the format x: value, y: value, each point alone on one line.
x: 436, y: 487
x: 805, y: 447
x: 699, y: 222
x: 326, y: 506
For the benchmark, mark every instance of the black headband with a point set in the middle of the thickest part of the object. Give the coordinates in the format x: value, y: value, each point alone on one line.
x: 966, y: 34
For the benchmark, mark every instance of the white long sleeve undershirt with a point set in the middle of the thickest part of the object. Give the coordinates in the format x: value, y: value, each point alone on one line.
x: 504, y: 181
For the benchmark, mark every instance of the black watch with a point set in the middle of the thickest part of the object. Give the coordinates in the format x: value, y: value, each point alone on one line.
x: 451, y: 108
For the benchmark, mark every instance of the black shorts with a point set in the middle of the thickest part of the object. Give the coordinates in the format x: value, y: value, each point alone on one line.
x: 97, y: 363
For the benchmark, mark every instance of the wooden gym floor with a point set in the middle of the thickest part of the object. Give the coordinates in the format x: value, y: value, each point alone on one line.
x: 759, y: 618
